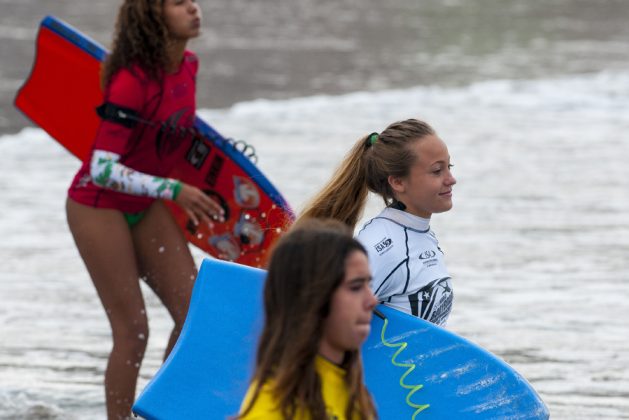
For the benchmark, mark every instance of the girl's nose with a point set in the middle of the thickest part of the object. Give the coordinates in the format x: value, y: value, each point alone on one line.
x: 371, y: 300
x: 451, y: 180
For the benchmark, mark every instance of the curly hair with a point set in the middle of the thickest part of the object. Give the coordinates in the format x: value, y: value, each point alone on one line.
x: 140, y: 38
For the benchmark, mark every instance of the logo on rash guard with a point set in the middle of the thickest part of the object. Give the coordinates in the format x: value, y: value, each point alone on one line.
x: 173, y: 131
x: 427, y: 255
x: 428, y: 258
x: 433, y: 302
x: 383, y: 246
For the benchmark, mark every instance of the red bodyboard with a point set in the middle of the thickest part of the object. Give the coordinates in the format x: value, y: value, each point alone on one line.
x: 61, y: 95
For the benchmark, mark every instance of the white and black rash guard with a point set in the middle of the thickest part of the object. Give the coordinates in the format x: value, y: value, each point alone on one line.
x: 407, y: 265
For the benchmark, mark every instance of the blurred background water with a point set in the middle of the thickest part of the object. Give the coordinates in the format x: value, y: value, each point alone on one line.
x: 530, y: 96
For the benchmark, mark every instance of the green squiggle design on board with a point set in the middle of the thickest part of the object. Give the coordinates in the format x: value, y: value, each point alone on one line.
x: 411, y: 367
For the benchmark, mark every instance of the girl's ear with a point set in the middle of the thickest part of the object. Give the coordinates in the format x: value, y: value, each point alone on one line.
x: 397, y: 184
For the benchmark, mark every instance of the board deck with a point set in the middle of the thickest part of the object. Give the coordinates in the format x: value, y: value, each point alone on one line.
x: 61, y: 95
x: 207, y: 373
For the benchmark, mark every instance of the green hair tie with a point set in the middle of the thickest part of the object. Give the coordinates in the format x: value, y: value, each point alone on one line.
x: 372, y: 139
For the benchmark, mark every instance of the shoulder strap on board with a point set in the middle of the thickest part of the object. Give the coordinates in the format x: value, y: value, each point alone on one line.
x: 117, y: 114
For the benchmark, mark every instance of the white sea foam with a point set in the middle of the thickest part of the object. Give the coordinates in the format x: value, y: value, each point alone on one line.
x: 537, y: 241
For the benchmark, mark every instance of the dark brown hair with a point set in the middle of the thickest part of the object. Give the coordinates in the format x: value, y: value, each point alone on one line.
x: 140, y: 38
x: 367, y: 167
x: 306, y: 267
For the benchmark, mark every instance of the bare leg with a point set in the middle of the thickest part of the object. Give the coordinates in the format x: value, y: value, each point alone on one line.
x: 106, y: 246
x: 166, y: 262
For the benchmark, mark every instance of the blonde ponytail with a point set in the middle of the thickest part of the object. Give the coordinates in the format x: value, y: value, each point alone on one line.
x: 344, y: 196
x: 366, y: 168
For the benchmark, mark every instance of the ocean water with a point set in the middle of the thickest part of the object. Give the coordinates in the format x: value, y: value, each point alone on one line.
x: 531, y: 98
x: 537, y: 241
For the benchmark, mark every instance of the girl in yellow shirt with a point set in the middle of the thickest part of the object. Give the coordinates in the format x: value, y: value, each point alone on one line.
x: 318, y: 307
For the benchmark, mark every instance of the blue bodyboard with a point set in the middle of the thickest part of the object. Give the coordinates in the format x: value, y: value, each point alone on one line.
x: 207, y: 373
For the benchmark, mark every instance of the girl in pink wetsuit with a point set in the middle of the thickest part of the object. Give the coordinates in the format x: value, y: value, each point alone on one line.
x: 115, y: 205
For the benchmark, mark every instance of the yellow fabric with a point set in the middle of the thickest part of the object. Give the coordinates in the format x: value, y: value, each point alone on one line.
x: 334, y: 392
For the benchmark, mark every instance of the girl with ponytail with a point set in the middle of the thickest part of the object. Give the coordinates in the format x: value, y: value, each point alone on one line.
x: 409, y: 167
